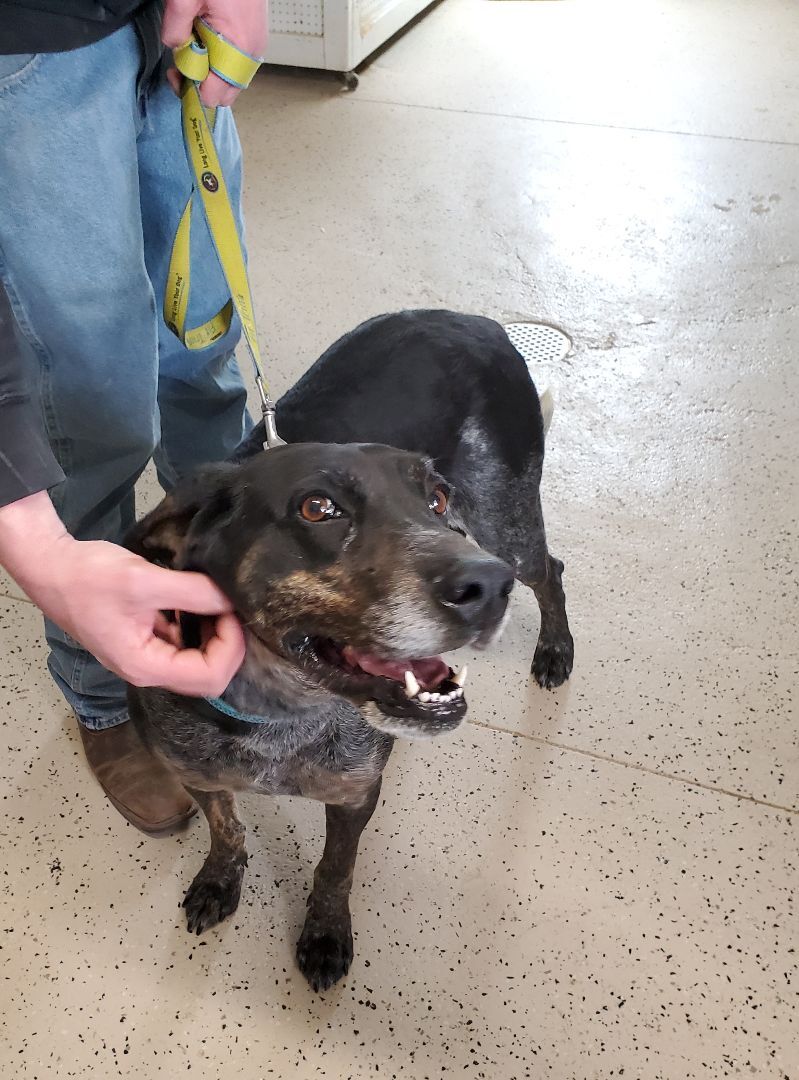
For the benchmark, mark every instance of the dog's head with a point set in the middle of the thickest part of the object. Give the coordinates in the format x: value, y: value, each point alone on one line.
x: 348, y: 569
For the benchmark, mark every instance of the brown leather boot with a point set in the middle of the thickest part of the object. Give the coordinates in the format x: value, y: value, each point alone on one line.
x: 142, y: 789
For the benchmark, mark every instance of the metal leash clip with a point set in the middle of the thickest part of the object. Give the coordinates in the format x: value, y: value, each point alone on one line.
x: 271, y: 437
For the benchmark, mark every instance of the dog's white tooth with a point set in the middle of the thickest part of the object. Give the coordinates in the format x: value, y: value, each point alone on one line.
x: 435, y: 697
x: 458, y: 693
x: 424, y: 696
x: 459, y: 678
x: 412, y: 686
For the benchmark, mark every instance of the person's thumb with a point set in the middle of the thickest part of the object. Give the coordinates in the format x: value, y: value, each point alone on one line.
x: 185, y: 590
x: 178, y: 22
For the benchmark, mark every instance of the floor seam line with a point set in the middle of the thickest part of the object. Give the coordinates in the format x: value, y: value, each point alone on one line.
x: 596, y: 756
x: 576, y: 123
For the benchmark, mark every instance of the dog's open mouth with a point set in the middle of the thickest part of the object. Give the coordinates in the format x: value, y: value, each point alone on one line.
x: 416, y: 689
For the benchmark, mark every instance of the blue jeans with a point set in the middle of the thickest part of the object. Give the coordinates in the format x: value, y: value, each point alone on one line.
x: 94, y: 178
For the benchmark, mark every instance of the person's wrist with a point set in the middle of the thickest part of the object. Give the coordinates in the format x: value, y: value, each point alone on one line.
x: 48, y: 565
x: 33, y: 541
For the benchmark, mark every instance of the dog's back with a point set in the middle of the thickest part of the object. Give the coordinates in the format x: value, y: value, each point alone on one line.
x: 446, y: 385
x: 410, y: 379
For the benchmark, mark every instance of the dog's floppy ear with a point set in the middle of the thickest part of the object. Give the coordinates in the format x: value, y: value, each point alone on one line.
x: 251, y: 445
x: 182, y: 525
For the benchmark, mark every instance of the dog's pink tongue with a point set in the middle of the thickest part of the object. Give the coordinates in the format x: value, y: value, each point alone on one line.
x: 430, y: 672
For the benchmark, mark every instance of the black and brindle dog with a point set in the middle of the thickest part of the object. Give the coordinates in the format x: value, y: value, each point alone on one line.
x: 388, y: 531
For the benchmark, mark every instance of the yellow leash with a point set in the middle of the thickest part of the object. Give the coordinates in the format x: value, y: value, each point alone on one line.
x: 208, y: 51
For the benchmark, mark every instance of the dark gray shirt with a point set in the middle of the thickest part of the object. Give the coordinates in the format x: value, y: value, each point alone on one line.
x: 32, y: 26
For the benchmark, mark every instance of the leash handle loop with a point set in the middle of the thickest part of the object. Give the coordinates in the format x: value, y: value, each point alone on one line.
x: 208, y: 51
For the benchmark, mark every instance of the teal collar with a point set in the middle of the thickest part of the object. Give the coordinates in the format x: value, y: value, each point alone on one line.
x: 228, y: 710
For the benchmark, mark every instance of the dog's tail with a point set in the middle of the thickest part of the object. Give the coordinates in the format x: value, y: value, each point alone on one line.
x: 547, y: 407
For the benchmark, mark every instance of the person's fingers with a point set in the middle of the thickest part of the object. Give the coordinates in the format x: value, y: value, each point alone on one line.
x: 184, y: 590
x: 207, y: 630
x: 183, y: 671
x: 224, y: 652
x: 177, y: 22
x: 167, y: 631
x: 215, y: 92
x: 191, y: 671
x: 175, y: 80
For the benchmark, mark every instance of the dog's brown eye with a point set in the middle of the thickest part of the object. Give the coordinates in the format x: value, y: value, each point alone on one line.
x: 439, y: 501
x: 319, y: 508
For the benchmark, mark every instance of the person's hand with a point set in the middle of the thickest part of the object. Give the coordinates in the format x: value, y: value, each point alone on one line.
x: 110, y: 600
x: 242, y: 22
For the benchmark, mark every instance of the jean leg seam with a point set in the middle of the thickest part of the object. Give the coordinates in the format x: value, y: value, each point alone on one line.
x: 59, y: 444
x: 78, y: 667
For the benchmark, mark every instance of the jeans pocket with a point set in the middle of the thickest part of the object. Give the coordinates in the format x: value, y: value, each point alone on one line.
x: 16, y: 68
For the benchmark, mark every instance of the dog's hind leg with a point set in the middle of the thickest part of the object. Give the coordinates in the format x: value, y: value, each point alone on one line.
x: 324, y: 951
x: 214, y: 893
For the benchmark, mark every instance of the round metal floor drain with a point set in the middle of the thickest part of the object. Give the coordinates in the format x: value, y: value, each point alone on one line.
x: 538, y: 342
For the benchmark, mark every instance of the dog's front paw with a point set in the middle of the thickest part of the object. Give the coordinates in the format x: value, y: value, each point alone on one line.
x: 552, y: 662
x: 212, y: 896
x: 324, y: 954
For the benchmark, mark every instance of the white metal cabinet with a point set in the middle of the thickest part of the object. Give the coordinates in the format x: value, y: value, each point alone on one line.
x: 336, y: 35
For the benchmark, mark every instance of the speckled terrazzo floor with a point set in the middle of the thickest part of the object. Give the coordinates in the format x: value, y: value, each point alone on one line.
x: 598, y: 882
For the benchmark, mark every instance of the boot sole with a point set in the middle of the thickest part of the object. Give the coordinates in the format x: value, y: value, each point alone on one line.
x: 178, y: 823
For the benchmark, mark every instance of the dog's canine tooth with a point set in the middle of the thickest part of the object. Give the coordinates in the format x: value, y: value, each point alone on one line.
x: 412, y: 686
x: 459, y: 678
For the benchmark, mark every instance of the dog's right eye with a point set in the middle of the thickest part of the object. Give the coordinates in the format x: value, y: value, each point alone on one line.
x: 439, y: 501
x: 318, y: 508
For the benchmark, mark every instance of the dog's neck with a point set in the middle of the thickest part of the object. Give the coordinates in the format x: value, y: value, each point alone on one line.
x: 266, y: 687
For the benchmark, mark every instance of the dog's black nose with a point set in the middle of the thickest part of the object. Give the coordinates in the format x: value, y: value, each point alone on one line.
x: 476, y: 589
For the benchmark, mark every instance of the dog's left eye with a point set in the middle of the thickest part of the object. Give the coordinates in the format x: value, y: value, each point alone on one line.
x: 439, y: 501
x: 316, y: 508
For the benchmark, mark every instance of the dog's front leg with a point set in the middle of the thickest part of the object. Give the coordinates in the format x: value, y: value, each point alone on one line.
x: 324, y: 951
x: 214, y: 893
x: 554, y: 653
